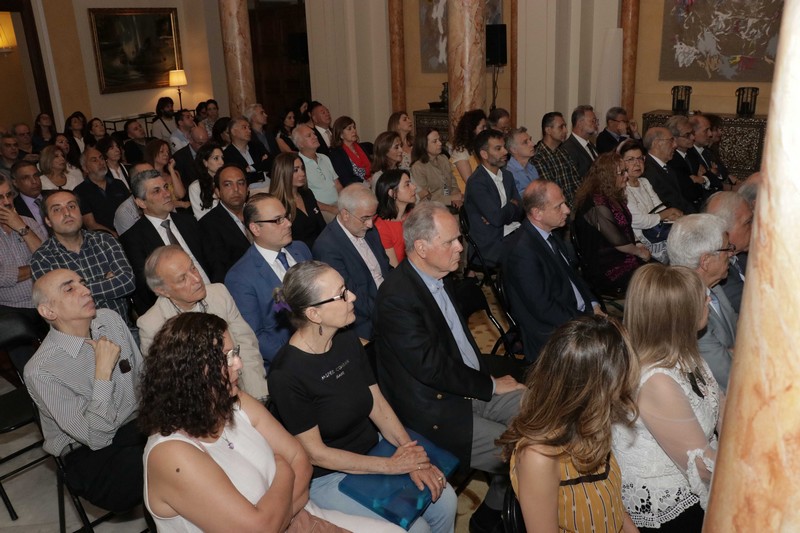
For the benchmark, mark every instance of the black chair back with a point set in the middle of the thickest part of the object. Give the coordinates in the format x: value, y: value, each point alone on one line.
x: 513, y: 522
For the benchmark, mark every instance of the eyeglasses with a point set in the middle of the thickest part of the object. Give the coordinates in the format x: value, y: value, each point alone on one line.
x: 615, y: 120
x: 342, y: 296
x: 632, y: 160
x: 10, y: 195
x: 232, y: 355
x: 277, y: 220
x: 363, y: 219
x: 731, y: 249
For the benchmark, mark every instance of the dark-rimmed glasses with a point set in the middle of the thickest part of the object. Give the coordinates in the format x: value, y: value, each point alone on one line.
x: 731, y: 249
x: 342, y: 296
x: 277, y: 220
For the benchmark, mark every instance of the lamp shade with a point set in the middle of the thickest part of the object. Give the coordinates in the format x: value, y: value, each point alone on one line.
x: 177, y: 78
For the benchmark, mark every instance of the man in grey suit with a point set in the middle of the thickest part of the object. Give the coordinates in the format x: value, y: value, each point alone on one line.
x: 578, y: 145
x: 737, y: 214
x: 701, y: 242
x: 173, y: 276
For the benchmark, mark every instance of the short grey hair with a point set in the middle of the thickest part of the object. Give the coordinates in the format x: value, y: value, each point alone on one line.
x: 38, y: 296
x: 724, y: 204
x: 651, y: 135
x: 234, y: 121
x: 749, y: 191
x: 354, y: 196
x: 675, y: 122
x: 614, y: 112
x: 511, y: 137
x: 139, y: 179
x: 301, y: 289
x: 296, y: 136
x: 154, y: 281
x: 693, y: 236
x: 250, y: 110
x: 421, y: 224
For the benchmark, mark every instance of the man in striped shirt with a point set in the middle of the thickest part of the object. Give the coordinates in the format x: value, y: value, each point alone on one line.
x: 83, y: 379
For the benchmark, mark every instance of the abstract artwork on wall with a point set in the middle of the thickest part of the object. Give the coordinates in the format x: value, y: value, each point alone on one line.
x: 720, y: 40
x: 433, y: 31
x: 135, y: 48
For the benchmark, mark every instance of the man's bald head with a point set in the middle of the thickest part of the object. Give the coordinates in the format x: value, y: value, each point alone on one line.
x: 61, y: 297
x: 198, y: 136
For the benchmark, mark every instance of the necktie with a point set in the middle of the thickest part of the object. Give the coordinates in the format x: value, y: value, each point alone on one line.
x: 592, y: 151
x: 170, y: 236
x: 468, y: 354
x: 563, y: 262
x: 283, y: 260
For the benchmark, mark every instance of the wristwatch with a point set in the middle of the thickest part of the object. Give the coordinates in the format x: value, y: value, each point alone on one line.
x: 23, y: 231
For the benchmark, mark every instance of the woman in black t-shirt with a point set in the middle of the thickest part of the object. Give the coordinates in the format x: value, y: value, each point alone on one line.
x: 327, y: 396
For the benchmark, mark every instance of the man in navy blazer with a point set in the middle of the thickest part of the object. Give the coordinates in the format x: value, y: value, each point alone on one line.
x: 491, y: 202
x: 255, y: 276
x: 543, y: 289
x: 352, y: 246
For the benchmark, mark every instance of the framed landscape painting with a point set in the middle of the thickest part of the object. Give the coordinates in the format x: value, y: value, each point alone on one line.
x: 135, y: 48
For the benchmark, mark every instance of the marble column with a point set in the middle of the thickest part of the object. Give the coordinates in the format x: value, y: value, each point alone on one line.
x: 238, y: 53
x: 466, y: 57
x: 630, y: 43
x: 397, y: 55
x: 755, y: 484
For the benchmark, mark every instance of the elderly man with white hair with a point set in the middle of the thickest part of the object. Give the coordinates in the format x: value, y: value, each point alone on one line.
x: 701, y: 242
x: 172, y: 275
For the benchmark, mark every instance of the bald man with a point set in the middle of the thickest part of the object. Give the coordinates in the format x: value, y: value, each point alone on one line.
x: 83, y: 380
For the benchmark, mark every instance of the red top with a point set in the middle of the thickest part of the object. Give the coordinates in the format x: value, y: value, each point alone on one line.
x: 391, y: 232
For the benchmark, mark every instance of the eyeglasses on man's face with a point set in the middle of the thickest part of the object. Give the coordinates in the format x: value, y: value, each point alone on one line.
x: 342, y: 296
x: 730, y: 249
x: 277, y: 220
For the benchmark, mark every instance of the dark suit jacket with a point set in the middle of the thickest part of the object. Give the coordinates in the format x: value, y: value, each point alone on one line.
x: 578, y: 154
x: 691, y: 191
x: 344, y: 167
x: 185, y: 165
x: 696, y: 160
x: 323, y: 146
x: 665, y: 185
x: 538, y: 288
x: 134, y: 152
x: 140, y: 241
x: 420, y: 369
x: 606, y: 142
x: 22, y: 208
x: 486, y: 217
x: 251, y: 282
x: 226, y: 242
x: 272, y: 143
x: 257, y: 152
x: 334, y: 247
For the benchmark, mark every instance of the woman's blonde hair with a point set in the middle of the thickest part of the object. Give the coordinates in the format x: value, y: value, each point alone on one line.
x: 583, y: 382
x: 663, y: 311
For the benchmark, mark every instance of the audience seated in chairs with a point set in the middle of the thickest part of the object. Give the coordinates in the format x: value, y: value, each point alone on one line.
x: 83, y: 379
x: 462, y: 158
x: 333, y: 418
x: 562, y: 468
x: 387, y: 153
x: 431, y: 172
x: 542, y: 285
x: 172, y: 275
x: 219, y: 436
x: 396, y: 195
x: 100, y: 193
x: 667, y: 457
x: 603, y: 227
x: 290, y: 185
x: 320, y: 175
x: 350, y: 158
x: 400, y: 123
x: 202, y: 195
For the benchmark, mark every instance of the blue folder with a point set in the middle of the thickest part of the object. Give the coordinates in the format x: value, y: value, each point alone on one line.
x: 395, y: 497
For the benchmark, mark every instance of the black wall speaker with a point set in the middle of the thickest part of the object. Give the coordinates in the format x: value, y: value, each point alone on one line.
x: 496, y: 53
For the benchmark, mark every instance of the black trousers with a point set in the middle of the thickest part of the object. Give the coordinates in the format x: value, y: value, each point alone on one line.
x: 111, y: 478
x: 689, y: 521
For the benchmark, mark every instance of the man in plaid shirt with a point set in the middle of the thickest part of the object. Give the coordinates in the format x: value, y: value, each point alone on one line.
x: 552, y: 162
x: 95, y: 256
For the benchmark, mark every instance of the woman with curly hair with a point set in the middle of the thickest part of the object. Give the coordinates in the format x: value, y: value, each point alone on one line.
x: 206, y: 432
x: 208, y: 160
x: 562, y: 468
x: 667, y: 457
x: 463, y: 161
x: 430, y: 170
x: 350, y: 158
x: 603, y: 226
x: 400, y: 123
x: 289, y: 185
x: 396, y: 195
x: 338, y: 420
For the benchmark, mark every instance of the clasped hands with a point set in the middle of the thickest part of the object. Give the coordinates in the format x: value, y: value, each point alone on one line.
x: 411, y: 458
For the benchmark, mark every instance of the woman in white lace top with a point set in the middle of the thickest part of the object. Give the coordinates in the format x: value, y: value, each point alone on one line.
x: 667, y: 458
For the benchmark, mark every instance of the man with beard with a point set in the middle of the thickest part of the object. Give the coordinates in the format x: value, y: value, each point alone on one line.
x: 554, y: 164
x: 491, y: 202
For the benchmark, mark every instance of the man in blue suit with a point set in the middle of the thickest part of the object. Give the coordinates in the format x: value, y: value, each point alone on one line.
x: 261, y: 269
x: 491, y: 201
x: 352, y: 246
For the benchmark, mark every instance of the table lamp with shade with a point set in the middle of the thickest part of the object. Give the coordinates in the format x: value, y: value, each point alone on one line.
x: 177, y: 78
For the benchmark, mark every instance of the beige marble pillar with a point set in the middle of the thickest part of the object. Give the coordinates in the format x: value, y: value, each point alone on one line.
x: 755, y: 485
x: 630, y: 43
x: 235, y: 23
x: 512, y: 64
x: 397, y: 55
x: 466, y: 57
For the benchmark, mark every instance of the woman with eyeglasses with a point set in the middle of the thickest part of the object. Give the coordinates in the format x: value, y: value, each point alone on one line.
x: 667, y: 457
x: 603, y: 227
x: 216, y: 459
x: 648, y: 213
x: 326, y: 395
